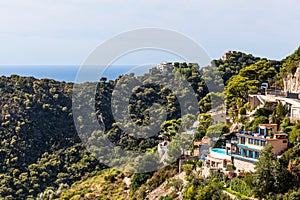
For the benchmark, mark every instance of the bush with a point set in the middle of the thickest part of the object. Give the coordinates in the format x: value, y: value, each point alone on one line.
x: 263, y: 112
x: 229, y: 167
x: 241, y: 186
x: 242, y: 111
x: 242, y: 119
x: 188, y: 168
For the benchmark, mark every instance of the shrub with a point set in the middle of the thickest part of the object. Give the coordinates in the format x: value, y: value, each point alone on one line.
x: 242, y: 111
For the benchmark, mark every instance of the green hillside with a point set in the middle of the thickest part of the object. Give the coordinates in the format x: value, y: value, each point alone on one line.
x: 41, y: 153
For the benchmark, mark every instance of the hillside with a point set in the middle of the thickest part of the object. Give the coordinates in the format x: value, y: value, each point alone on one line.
x: 40, y: 150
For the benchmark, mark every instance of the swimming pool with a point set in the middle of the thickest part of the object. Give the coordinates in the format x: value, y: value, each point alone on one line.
x: 219, y: 153
x: 217, y: 150
x: 164, y: 148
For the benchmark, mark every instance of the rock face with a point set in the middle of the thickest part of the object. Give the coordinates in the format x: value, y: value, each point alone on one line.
x: 292, y: 82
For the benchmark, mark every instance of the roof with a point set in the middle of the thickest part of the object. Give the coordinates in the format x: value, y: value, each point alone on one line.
x: 268, y: 125
x: 201, y: 142
x: 293, y: 102
x: 264, y: 98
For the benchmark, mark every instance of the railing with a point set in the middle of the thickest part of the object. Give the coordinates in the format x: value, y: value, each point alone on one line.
x: 232, y: 141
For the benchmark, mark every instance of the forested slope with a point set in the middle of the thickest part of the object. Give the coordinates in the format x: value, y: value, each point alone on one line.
x: 40, y: 147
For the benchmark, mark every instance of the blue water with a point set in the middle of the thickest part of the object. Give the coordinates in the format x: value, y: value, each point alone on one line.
x: 217, y: 150
x: 68, y: 73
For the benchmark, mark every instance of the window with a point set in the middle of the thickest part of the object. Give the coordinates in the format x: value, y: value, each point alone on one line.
x: 243, y: 140
x: 263, y: 143
x: 250, y: 154
x: 250, y: 141
x: 284, y: 141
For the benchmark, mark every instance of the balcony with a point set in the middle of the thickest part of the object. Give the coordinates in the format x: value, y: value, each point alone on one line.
x: 232, y: 141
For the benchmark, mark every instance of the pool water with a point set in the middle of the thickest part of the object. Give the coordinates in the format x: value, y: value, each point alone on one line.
x: 164, y: 148
x: 221, y: 151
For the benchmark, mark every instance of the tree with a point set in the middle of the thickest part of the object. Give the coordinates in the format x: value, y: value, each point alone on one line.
x: 280, y: 110
x: 239, y: 88
x: 262, y: 112
x: 242, y: 111
x: 190, y: 193
x: 253, y: 125
x: 290, y: 64
x: 138, y: 179
x: 217, y: 130
x: 294, y: 135
x: 285, y: 123
x: 248, y: 80
x: 213, y: 100
x: 187, y: 121
x: 170, y: 128
x: 261, y: 71
x: 269, y: 176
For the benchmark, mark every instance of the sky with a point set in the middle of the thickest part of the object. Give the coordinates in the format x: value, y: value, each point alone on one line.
x: 65, y: 32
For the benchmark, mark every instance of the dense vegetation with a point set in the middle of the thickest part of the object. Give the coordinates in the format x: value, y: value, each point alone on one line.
x: 42, y: 155
x: 39, y: 145
x: 290, y: 64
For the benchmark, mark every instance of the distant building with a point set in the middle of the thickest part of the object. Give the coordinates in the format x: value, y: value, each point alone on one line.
x: 227, y: 54
x: 162, y: 148
x: 165, y: 67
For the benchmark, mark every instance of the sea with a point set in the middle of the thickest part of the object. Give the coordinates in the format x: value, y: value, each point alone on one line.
x: 69, y: 73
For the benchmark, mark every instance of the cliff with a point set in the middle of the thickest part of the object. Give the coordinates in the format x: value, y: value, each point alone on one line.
x: 292, y: 82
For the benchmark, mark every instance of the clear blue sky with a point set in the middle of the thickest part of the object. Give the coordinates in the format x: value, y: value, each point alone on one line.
x: 66, y: 31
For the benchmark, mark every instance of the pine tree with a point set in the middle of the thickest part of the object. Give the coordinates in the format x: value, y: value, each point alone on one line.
x: 269, y: 176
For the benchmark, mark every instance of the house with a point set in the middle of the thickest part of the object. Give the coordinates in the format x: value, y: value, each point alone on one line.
x: 245, y: 149
x: 162, y: 148
x: 227, y: 54
x: 165, y: 67
x: 293, y: 107
x: 292, y: 104
x: 259, y: 101
x: 201, y: 148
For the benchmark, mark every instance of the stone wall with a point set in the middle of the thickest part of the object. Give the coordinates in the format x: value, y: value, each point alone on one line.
x: 243, y: 165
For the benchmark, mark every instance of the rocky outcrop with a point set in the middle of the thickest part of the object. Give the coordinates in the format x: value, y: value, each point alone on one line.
x: 292, y: 82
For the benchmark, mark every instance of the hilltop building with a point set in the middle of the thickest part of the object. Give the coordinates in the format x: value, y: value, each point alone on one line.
x: 165, y: 67
x: 227, y: 54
